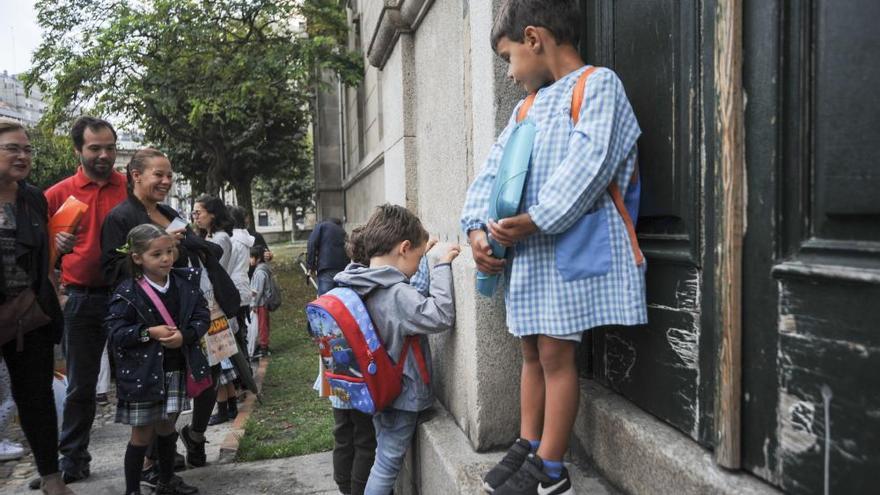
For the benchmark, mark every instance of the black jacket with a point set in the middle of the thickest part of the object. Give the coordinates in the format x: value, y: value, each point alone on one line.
x: 32, y: 253
x: 193, y: 249
x: 139, y: 365
x: 326, y: 249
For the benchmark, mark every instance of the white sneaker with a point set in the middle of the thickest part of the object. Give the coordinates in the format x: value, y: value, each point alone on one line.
x: 10, y: 450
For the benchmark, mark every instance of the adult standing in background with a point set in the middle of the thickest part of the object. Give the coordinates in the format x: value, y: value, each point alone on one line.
x: 215, y: 223
x: 24, y: 279
x: 96, y: 184
x: 326, y: 252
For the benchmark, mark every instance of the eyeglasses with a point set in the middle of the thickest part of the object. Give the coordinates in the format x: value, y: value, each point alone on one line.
x: 14, y: 149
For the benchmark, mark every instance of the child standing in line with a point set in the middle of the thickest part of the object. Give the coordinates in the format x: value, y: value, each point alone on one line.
x: 260, y: 282
x: 152, y: 356
x: 394, y: 242
x: 554, y: 292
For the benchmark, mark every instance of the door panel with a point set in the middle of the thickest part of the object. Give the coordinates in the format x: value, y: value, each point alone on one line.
x: 654, y: 46
x: 811, y: 349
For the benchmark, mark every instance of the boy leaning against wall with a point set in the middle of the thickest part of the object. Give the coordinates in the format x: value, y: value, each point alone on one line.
x: 575, y: 265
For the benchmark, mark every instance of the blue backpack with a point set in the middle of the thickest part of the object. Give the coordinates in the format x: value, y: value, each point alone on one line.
x: 356, y: 365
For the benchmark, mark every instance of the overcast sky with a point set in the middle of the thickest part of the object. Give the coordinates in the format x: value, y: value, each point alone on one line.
x: 18, y: 28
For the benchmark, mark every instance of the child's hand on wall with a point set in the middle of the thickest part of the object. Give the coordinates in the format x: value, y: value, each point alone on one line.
x: 482, y: 253
x: 452, y: 252
x: 432, y: 241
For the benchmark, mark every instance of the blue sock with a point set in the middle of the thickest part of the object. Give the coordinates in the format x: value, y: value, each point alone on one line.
x: 553, y: 469
x: 534, y: 445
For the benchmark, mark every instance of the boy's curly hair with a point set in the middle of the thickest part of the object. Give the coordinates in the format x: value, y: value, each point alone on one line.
x: 388, y: 226
x: 561, y: 17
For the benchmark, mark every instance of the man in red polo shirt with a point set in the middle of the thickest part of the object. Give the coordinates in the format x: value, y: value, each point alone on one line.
x: 102, y: 188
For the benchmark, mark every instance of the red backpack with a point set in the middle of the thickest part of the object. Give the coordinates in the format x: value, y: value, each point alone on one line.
x: 357, y: 366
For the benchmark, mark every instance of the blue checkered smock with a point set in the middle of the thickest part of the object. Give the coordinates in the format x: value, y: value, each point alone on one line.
x: 571, y: 169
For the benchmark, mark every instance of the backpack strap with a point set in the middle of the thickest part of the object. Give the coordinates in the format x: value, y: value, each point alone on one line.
x: 418, y: 355
x: 525, y: 107
x: 577, y: 98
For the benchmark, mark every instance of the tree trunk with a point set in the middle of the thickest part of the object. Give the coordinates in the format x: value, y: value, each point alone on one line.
x: 245, y: 197
x: 282, y: 219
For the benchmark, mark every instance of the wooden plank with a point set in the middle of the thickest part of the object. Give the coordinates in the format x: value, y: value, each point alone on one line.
x: 730, y: 174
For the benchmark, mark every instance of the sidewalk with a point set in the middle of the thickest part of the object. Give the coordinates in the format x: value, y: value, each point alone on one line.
x: 310, y: 474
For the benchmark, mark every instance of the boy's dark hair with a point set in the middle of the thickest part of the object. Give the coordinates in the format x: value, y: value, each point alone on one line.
x: 561, y: 17
x: 237, y: 214
x: 388, y: 226
x: 139, y: 239
x: 138, y: 162
x: 258, y: 252
x: 91, y: 123
x: 214, y: 206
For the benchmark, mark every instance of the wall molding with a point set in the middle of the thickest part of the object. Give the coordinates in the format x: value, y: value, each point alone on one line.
x: 397, y: 17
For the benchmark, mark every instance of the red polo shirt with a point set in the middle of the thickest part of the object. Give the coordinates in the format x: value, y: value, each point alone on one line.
x: 83, y: 265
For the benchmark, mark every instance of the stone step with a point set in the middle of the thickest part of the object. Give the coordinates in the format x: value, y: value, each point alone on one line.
x: 442, y: 462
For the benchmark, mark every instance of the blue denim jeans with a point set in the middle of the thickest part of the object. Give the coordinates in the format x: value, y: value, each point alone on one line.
x: 394, y: 433
x: 83, y: 345
x: 325, y: 281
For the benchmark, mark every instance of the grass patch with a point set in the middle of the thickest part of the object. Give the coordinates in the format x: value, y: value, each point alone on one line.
x: 292, y: 420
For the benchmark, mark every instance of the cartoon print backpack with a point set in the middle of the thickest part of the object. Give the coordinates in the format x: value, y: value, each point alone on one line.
x: 357, y: 366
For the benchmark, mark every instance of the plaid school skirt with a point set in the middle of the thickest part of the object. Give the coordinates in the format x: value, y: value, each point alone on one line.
x: 144, y: 413
x: 228, y: 376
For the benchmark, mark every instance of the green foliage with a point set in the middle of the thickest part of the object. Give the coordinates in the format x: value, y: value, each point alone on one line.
x: 292, y: 187
x: 54, y: 159
x: 222, y: 87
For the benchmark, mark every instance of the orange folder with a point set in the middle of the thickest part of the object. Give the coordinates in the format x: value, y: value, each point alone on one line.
x: 66, y: 219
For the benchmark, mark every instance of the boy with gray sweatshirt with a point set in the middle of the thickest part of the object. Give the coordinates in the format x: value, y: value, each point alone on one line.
x: 386, y: 252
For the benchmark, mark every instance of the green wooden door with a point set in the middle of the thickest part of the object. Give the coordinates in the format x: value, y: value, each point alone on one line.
x: 657, y: 48
x: 811, y: 316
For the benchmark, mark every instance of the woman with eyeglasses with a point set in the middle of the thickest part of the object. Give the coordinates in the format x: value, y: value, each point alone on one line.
x: 150, y: 177
x: 30, y: 317
x: 215, y: 223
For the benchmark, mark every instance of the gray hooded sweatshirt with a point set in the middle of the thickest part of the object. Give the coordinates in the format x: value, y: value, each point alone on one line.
x: 399, y: 310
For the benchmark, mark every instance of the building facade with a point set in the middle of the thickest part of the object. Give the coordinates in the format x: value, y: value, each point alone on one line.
x: 18, y: 105
x: 759, y: 221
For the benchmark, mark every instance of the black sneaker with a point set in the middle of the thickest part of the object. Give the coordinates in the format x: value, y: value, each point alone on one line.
x: 216, y: 419
x: 195, y: 451
x: 511, y: 462
x: 74, y: 476
x: 175, y: 487
x: 258, y: 353
x: 150, y: 476
x: 101, y: 399
x: 532, y: 480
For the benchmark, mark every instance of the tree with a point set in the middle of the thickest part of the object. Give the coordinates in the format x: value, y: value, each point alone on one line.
x: 222, y: 87
x: 54, y: 158
x: 293, y: 188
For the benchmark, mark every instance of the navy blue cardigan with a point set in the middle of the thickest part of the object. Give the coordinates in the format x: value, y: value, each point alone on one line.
x: 139, y: 365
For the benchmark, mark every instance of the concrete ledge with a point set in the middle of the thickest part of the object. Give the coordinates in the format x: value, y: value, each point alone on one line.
x: 442, y: 462
x: 642, y: 455
x: 229, y: 448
